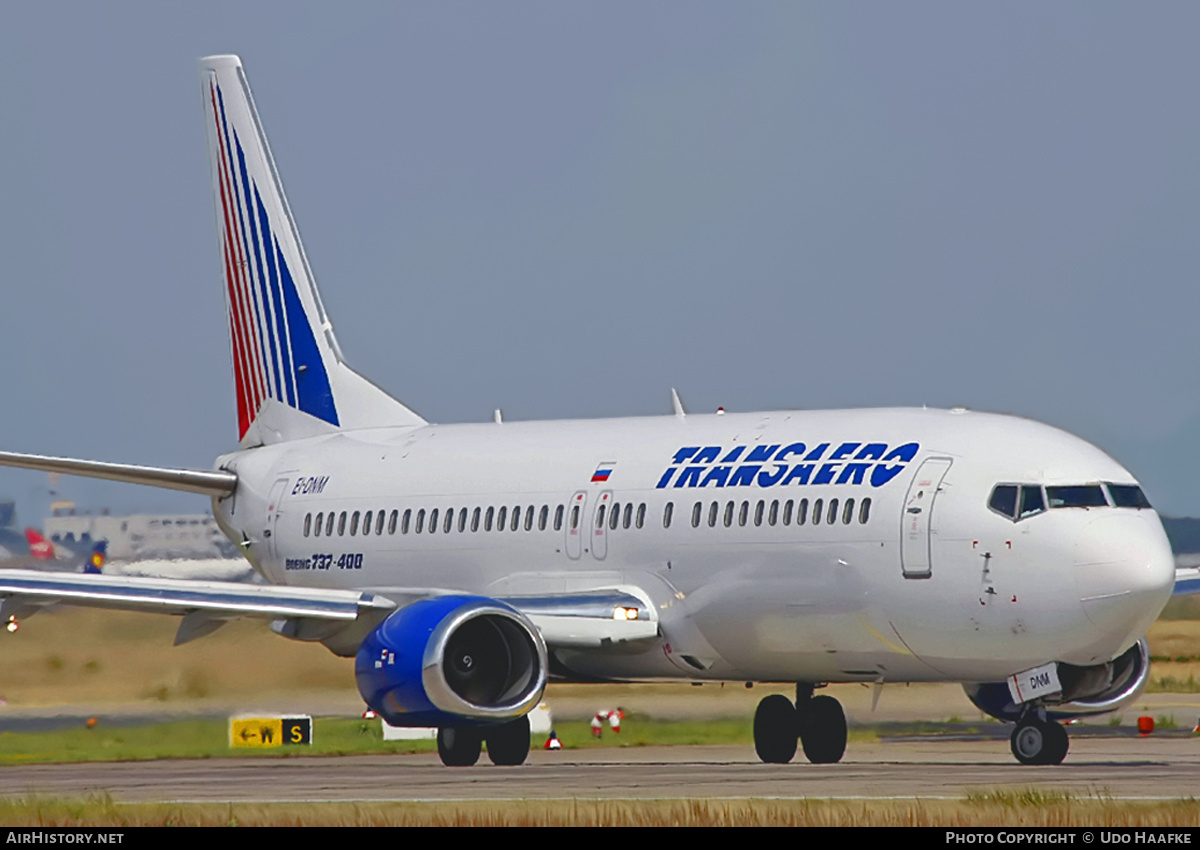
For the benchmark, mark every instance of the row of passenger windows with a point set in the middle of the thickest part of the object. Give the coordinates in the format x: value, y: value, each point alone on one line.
x: 781, y: 513
x: 627, y: 515
x: 437, y: 519
x: 1017, y: 501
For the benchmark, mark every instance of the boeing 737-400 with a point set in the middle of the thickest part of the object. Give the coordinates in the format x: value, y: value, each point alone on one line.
x: 464, y: 566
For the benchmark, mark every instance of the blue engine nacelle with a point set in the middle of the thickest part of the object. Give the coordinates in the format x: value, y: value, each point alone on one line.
x: 1086, y: 690
x: 452, y: 661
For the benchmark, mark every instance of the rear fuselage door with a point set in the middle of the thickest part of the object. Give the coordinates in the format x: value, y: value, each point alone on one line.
x: 916, y: 526
x: 271, y: 529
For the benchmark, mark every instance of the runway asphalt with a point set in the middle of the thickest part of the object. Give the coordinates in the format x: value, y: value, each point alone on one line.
x: 1162, y: 767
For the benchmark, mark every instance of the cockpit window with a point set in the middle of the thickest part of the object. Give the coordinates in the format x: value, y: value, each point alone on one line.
x: 1032, y: 501
x: 1004, y: 500
x: 1077, y: 496
x: 1127, y: 495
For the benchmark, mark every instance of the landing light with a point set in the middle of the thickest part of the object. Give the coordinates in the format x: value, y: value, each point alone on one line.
x: 12, y: 624
x: 625, y: 613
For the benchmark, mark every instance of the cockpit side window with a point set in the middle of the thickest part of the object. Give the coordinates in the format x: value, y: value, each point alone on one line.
x: 1127, y: 495
x: 1004, y: 500
x: 1032, y: 501
x: 1077, y: 496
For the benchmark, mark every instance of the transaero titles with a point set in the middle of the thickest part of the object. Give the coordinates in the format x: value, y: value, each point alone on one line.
x: 778, y: 465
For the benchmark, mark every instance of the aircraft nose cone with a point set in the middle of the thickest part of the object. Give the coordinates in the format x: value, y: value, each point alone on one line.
x: 1124, y: 572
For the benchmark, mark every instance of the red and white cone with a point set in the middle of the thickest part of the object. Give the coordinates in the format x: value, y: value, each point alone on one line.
x: 552, y: 743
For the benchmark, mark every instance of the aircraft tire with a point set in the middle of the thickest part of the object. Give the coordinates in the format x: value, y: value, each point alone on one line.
x: 1039, y: 742
x: 823, y: 731
x: 458, y: 746
x: 509, y: 744
x: 775, y: 729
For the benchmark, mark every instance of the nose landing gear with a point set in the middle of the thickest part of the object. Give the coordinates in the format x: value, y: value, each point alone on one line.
x: 1037, y: 740
x: 817, y: 723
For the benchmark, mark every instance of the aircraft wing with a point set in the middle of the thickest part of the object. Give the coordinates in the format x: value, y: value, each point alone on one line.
x: 582, y: 620
x: 1187, y: 580
x: 205, y: 605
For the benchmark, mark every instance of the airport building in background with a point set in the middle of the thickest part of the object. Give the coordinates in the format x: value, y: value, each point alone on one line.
x: 139, y: 537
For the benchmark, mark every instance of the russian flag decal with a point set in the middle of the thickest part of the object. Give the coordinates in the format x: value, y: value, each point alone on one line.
x: 603, y: 471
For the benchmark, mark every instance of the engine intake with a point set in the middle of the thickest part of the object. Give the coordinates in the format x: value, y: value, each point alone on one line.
x: 1090, y: 690
x: 452, y: 660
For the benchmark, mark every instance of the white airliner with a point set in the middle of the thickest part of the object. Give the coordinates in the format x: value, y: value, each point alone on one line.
x: 465, y: 565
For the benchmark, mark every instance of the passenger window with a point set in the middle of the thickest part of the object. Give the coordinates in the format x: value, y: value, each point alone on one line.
x: 329, y: 524
x: 342, y: 524
x: 420, y: 526
x: 543, y: 517
x: 787, y: 512
x: 641, y: 515
x: 773, y: 516
x: 462, y: 520
x: 516, y: 518
x: 354, y: 524
x: 848, y: 512
x: 574, y: 517
x: 558, y: 518
x: 627, y: 520
x: 379, y: 523
x: 307, y: 524
x: 697, y: 509
x: 758, y: 512
x: 320, y: 520
x: 1004, y: 500
x: 744, y: 513
x: 448, y: 522
x: 433, y: 518
x: 529, y: 518
x: 712, y: 515
x: 502, y: 518
x: 864, y: 511
x: 392, y: 521
x: 406, y: 521
x: 600, y: 516
x: 367, y: 517
x: 818, y: 506
x: 668, y: 512
x: 475, y: 516
x: 832, y: 518
x: 728, y: 514
x: 615, y: 519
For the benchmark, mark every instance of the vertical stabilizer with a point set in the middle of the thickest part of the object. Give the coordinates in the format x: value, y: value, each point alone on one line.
x: 291, y: 381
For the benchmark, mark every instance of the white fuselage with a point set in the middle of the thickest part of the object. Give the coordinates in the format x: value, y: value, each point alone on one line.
x: 924, y: 582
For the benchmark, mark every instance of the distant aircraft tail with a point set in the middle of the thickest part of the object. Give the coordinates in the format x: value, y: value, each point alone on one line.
x: 290, y: 377
x: 40, y: 549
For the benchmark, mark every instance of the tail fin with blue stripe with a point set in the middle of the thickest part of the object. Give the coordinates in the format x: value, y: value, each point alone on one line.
x: 291, y: 380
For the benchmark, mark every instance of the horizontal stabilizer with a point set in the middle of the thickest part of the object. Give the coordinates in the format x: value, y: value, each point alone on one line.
x: 206, y: 482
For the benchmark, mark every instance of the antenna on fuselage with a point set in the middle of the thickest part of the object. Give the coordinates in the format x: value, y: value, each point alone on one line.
x: 497, y: 416
x: 677, y: 404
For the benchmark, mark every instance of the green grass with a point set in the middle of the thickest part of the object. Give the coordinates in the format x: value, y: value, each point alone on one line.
x: 203, y: 738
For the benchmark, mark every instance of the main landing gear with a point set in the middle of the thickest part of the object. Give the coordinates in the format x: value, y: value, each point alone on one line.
x: 816, y: 722
x: 507, y: 744
x: 1038, y: 740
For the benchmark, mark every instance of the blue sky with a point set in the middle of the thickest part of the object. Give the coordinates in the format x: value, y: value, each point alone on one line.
x: 564, y: 209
